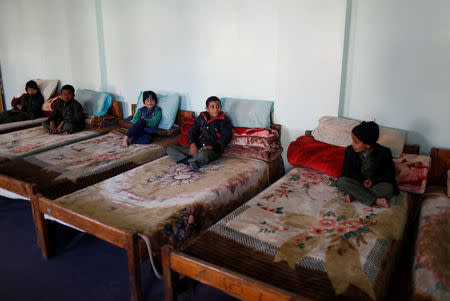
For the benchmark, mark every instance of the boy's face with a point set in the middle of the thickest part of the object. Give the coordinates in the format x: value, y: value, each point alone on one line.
x: 214, y: 108
x: 66, y: 95
x: 32, y: 91
x: 149, y: 103
x: 358, y: 145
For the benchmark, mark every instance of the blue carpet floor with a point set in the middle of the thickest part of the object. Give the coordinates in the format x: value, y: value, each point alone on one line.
x: 84, y: 267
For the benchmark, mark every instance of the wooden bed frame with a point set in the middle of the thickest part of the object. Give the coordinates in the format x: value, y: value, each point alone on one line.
x: 129, y: 241
x: 177, y: 263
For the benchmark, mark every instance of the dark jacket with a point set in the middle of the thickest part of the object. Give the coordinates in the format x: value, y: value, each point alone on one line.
x: 384, y: 168
x: 71, y: 112
x: 216, y: 131
x: 31, y: 104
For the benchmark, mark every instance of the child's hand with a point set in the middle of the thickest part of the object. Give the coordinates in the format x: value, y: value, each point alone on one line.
x: 206, y: 147
x: 367, y: 183
x: 193, y: 149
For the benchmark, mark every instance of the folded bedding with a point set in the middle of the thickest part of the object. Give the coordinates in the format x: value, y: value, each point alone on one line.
x: 169, y: 202
x: 301, y: 236
x: 69, y: 168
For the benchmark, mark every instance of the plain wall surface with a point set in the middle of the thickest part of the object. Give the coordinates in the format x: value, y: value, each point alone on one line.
x: 399, y: 68
x: 48, y: 39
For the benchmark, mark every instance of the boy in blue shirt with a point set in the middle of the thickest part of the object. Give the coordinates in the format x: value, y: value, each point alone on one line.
x: 207, y: 137
x: 145, y: 121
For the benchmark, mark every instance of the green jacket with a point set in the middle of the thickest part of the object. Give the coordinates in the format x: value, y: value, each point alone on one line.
x: 71, y: 112
x: 152, y: 116
x: 31, y: 104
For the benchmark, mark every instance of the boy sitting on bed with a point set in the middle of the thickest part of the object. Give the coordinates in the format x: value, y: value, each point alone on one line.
x: 27, y: 107
x: 68, y: 116
x: 145, y: 121
x: 208, y: 136
x: 368, y: 173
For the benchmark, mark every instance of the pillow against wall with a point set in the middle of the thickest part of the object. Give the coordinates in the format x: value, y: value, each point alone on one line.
x: 169, y: 104
x: 247, y: 112
x: 310, y: 153
x: 337, y: 131
x: 93, y: 102
x: 411, y: 172
x: 334, y: 130
x: 47, y: 87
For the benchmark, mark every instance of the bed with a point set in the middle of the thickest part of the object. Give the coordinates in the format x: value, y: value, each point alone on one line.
x: 37, y: 139
x: 20, y: 125
x: 297, y: 240
x: 431, y: 273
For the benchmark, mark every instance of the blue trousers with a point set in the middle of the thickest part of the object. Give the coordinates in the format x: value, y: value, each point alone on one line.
x: 140, y: 133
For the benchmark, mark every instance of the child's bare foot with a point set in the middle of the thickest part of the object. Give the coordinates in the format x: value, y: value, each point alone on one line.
x: 382, y: 202
x: 125, y: 142
x: 348, y: 198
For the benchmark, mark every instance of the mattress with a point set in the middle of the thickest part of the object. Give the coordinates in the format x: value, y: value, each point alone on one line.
x: 168, y: 202
x: 301, y: 236
x: 18, y: 125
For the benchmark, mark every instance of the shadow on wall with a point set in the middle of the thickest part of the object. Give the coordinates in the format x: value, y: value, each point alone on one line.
x: 418, y: 138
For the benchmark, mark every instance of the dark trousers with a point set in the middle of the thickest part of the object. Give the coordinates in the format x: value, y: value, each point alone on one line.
x: 69, y: 127
x: 365, y: 195
x: 10, y: 116
x: 140, y: 133
x: 180, y: 153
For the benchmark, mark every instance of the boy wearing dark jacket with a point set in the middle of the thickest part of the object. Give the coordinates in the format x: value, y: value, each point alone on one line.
x: 28, y: 106
x: 68, y: 116
x: 208, y: 136
x: 368, y: 173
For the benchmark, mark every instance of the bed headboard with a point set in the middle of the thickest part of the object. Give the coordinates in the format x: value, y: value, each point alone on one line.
x: 440, y: 163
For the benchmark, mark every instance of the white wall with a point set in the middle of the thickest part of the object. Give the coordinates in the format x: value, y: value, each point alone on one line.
x: 286, y: 51
x: 51, y: 39
x: 399, y: 68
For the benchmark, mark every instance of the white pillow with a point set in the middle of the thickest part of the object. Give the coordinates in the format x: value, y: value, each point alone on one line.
x: 47, y: 87
x: 337, y: 131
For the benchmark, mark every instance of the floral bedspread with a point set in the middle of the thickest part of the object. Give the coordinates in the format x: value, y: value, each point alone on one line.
x: 168, y: 201
x: 34, y: 140
x: 94, y: 155
x: 18, y: 124
x: 431, y: 271
x: 304, y: 220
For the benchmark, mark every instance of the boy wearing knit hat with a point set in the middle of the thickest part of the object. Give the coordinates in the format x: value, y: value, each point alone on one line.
x: 368, y: 173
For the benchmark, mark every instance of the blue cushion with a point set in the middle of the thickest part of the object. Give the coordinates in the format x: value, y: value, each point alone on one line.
x: 169, y: 104
x: 93, y: 102
x: 248, y: 113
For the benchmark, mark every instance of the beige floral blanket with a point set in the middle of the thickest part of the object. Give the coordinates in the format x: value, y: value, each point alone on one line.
x: 302, y: 222
x: 94, y: 155
x: 431, y: 271
x: 168, y: 201
x: 37, y: 139
x: 9, y: 127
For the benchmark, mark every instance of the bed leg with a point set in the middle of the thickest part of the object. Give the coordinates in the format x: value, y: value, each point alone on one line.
x: 134, y: 267
x: 169, y: 276
x: 41, y: 228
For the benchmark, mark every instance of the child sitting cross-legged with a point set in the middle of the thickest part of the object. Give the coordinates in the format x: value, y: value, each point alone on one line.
x: 208, y: 136
x: 368, y: 173
x: 145, y: 121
